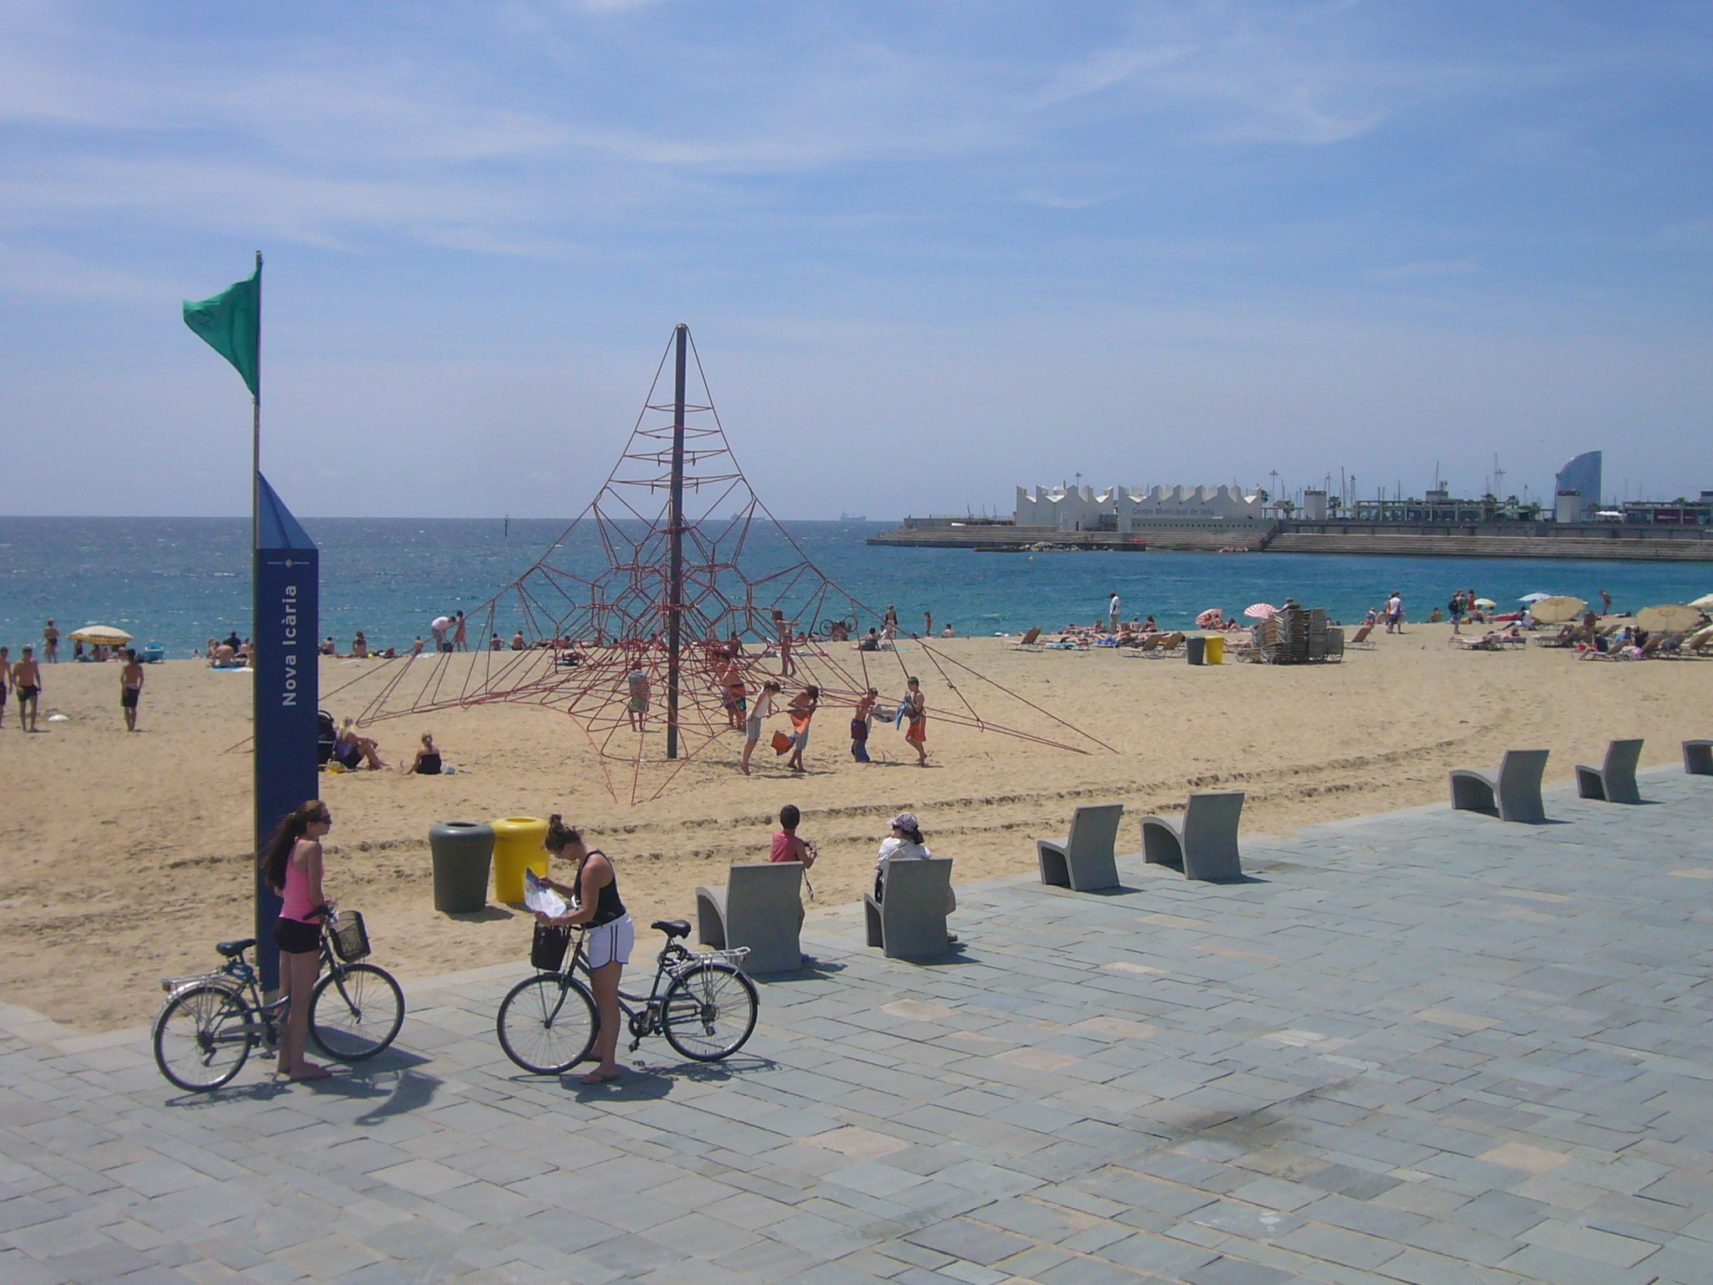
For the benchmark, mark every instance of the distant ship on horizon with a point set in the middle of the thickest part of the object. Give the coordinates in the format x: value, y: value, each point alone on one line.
x: 853, y: 517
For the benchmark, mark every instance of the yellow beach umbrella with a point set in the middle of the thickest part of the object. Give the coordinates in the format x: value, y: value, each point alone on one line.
x: 1555, y: 611
x: 1673, y: 617
x: 101, y: 636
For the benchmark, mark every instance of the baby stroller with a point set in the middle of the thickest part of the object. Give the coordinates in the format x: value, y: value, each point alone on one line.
x: 326, y: 732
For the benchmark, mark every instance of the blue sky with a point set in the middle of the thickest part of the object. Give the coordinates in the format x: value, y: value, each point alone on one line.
x: 929, y: 251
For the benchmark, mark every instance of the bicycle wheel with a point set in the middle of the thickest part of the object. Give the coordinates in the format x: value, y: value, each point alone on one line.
x: 355, y: 1011
x: 202, y: 1038
x: 709, y: 1011
x: 547, y: 1024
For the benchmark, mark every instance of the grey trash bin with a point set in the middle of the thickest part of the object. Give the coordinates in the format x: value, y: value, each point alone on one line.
x: 462, y: 851
x: 1195, y: 648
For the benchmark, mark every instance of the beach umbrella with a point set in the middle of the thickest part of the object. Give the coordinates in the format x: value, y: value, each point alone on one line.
x: 1485, y: 603
x: 1555, y: 611
x: 1209, y: 618
x: 101, y: 635
x: 1534, y: 597
x: 1260, y: 611
x: 1673, y: 617
x: 1705, y: 602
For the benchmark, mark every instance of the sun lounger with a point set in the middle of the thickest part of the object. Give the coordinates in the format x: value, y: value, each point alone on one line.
x: 1083, y: 861
x: 1030, y: 641
x: 911, y: 922
x: 1206, y: 846
x: 1615, y: 780
x: 1515, y: 794
x: 1165, y: 646
x: 760, y: 907
x: 1698, y: 758
x: 1360, y: 637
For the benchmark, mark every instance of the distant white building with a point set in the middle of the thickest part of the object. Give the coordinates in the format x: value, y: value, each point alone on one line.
x: 1121, y: 509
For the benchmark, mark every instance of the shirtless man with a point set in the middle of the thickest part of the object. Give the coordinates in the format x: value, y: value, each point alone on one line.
x: 50, y: 643
x: 130, y: 688
x: 27, y: 679
x: 916, y: 712
x: 785, y: 640
x: 5, y: 680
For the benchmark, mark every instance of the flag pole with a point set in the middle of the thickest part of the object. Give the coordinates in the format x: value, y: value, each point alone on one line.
x: 256, y: 425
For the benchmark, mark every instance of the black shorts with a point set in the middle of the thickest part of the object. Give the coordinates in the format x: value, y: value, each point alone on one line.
x: 128, y: 697
x: 27, y: 692
x: 295, y: 937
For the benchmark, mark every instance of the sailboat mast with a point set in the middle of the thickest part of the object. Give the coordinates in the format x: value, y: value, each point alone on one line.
x: 675, y: 570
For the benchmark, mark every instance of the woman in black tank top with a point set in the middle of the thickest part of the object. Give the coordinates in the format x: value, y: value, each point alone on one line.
x: 594, y: 895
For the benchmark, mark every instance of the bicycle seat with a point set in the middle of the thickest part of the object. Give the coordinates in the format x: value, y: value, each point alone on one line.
x: 231, y: 948
x: 672, y: 927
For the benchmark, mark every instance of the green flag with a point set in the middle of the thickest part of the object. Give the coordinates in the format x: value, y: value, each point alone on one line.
x: 231, y: 323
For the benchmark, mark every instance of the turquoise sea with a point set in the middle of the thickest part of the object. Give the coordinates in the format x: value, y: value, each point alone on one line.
x: 179, y: 581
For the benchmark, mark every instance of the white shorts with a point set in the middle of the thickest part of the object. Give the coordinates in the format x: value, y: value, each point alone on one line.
x: 610, y: 943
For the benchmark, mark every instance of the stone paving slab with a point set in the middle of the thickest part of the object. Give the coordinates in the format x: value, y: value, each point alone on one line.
x: 1422, y: 1047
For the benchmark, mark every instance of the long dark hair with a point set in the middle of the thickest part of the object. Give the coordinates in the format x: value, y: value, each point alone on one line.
x: 277, y: 851
x: 559, y: 834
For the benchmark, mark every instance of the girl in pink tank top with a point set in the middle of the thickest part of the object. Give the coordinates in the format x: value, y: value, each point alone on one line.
x: 291, y: 861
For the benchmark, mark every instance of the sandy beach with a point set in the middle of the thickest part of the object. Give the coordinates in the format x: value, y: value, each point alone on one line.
x: 127, y: 856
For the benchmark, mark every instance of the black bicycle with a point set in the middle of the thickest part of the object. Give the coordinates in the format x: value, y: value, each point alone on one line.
x: 209, y: 1023
x: 701, y: 1002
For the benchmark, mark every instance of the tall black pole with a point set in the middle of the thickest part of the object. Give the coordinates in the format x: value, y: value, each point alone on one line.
x: 675, y: 582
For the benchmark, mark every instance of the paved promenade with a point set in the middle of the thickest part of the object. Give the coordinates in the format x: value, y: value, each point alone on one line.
x: 1424, y: 1047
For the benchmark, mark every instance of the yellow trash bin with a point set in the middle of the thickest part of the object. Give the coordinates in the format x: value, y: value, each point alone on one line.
x: 517, y: 844
x: 1215, y: 654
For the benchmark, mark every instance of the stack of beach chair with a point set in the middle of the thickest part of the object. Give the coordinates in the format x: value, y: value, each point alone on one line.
x: 1297, y: 637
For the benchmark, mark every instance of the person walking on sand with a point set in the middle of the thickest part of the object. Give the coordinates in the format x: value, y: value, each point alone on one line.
x: 785, y: 637
x: 752, y: 727
x: 802, y: 710
x: 130, y: 688
x: 291, y: 863
x: 27, y: 681
x: 5, y: 680
x: 594, y: 896
x: 916, y: 712
x: 50, y: 643
x: 640, y: 693
x: 889, y: 624
x: 861, y: 722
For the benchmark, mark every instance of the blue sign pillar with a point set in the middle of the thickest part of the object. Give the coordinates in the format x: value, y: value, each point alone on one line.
x: 287, y: 584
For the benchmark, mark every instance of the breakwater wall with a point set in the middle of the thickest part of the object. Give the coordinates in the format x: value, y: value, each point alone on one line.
x: 1499, y: 540
x: 1486, y: 540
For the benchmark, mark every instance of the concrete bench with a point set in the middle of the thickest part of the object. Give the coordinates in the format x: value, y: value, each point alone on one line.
x: 760, y: 907
x: 910, y: 922
x: 1515, y: 793
x: 1615, y: 780
x: 1083, y: 860
x: 1206, y: 845
x: 1698, y: 758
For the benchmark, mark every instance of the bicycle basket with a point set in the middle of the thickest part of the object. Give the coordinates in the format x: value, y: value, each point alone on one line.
x: 547, y: 954
x: 350, y: 938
